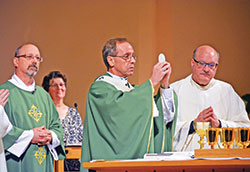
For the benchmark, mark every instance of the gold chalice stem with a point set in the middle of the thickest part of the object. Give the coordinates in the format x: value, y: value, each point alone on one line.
x: 226, y: 146
x: 202, y: 142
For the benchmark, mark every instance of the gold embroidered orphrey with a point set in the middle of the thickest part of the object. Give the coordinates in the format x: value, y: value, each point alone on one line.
x: 35, y: 113
x: 40, y: 155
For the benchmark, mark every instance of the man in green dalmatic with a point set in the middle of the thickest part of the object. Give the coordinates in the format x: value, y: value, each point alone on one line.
x: 124, y: 121
x: 36, y: 136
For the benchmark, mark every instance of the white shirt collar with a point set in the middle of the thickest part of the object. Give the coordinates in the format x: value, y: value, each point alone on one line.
x: 20, y: 84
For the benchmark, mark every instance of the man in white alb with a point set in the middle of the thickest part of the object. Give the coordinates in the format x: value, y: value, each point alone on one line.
x: 202, y: 98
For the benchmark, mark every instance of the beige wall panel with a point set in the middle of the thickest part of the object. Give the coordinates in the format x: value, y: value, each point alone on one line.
x: 182, y: 25
x: 71, y: 34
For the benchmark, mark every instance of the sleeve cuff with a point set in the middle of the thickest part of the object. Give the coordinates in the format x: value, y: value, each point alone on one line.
x: 55, y: 142
x: 191, y: 128
x: 167, y: 93
x: 21, y: 144
x: 220, y: 124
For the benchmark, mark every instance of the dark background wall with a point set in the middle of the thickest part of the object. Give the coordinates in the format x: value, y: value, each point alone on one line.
x: 71, y: 35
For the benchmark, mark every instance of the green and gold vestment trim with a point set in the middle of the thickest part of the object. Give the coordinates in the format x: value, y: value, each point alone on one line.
x: 35, y: 113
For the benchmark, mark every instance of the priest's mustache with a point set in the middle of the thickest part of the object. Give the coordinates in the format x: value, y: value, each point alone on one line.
x: 33, y: 65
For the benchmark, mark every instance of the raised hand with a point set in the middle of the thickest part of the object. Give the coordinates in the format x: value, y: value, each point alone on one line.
x: 159, y: 71
x: 4, y: 94
x: 165, y: 79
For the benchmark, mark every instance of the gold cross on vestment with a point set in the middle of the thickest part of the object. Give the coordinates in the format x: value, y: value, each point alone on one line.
x: 40, y: 155
x: 35, y: 113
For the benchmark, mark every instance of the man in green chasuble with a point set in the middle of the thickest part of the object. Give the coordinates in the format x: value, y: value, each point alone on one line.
x: 124, y: 121
x: 36, y: 136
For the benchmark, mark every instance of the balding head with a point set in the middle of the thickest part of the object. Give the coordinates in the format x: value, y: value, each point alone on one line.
x: 17, y: 52
x: 204, y: 64
x: 205, y: 50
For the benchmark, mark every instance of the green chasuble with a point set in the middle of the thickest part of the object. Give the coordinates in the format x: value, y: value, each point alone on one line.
x: 27, y: 110
x: 119, y: 122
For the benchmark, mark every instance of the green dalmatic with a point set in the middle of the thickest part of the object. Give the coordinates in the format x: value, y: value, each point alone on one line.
x: 27, y: 110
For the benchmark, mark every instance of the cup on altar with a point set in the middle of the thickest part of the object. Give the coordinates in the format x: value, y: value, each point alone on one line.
x: 212, y: 136
x: 201, y: 129
x: 242, y: 137
x: 227, y: 137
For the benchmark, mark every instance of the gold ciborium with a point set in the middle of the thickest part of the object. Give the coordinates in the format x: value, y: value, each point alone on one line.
x: 242, y: 137
x: 200, y: 128
x: 227, y: 137
x: 212, y: 136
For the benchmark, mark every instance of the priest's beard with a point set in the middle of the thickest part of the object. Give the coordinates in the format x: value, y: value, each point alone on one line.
x: 33, y: 72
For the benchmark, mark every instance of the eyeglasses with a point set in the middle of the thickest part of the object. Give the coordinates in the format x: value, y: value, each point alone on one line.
x: 203, y: 64
x: 126, y: 57
x: 30, y: 57
x: 57, y: 85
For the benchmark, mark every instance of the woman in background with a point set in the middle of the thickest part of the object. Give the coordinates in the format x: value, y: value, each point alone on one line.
x: 55, y: 84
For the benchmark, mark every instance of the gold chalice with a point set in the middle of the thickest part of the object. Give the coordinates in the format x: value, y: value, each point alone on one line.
x: 212, y: 136
x: 200, y: 128
x: 242, y: 137
x: 227, y: 137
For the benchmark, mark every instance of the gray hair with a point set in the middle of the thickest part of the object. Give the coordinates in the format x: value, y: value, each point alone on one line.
x: 109, y: 49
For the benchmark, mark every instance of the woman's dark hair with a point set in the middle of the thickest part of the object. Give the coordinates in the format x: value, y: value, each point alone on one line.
x: 52, y: 75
